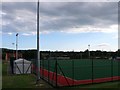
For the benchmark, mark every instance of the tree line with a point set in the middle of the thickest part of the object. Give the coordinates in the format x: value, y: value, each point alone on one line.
x: 32, y: 54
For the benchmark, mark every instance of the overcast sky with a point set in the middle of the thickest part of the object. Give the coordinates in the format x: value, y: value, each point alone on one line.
x: 63, y: 26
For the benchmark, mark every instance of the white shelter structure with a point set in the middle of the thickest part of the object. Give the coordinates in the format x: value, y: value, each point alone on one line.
x: 22, y: 66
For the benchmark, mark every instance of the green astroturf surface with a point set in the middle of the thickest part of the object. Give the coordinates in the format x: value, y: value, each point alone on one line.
x: 81, y: 69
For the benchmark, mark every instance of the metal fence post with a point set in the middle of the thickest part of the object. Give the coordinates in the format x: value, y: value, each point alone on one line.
x: 73, y: 70
x: 48, y: 71
x: 118, y: 70
x: 111, y: 69
x: 92, y: 71
x: 41, y: 67
x: 43, y: 70
x: 49, y: 67
x: 56, y: 71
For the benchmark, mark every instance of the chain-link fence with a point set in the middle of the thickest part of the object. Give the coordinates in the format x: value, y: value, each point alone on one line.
x: 72, y: 72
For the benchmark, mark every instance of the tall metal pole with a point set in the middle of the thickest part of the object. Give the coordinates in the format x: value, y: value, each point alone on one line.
x: 89, y: 51
x: 17, y: 46
x: 38, y: 53
x: 13, y: 48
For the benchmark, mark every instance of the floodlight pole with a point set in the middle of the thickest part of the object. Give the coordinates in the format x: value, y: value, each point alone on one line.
x: 38, y: 53
x: 13, y: 49
x: 89, y: 50
x: 17, y: 46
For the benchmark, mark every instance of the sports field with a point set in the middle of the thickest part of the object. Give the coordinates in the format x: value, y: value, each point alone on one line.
x: 80, y: 71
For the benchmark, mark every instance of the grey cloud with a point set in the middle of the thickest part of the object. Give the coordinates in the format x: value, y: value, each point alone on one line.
x: 56, y: 16
x: 12, y: 6
x: 20, y: 15
x: 82, y: 13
